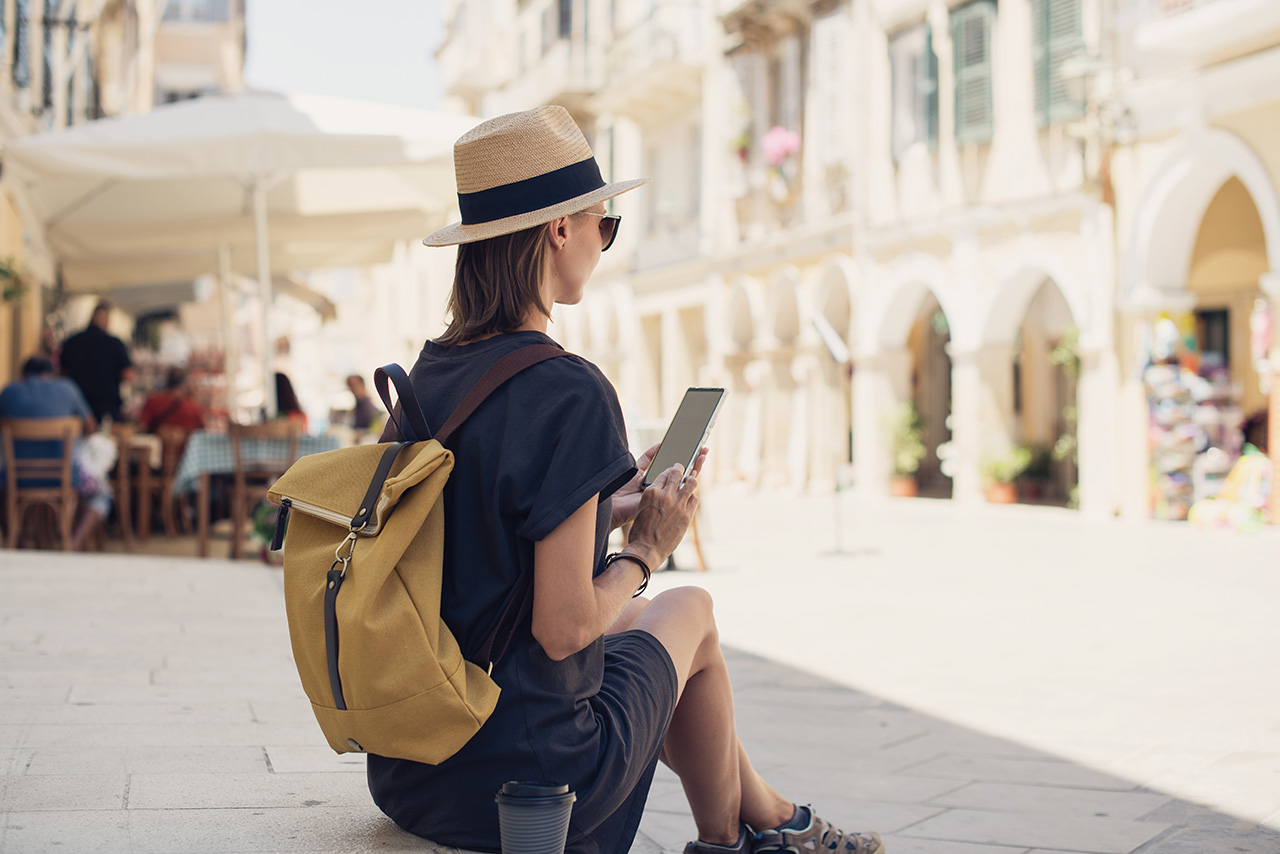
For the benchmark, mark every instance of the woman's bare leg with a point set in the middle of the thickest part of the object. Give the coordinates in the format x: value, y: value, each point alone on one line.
x: 702, y: 744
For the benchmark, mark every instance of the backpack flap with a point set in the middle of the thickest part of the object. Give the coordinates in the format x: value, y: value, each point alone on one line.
x: 332, y: 486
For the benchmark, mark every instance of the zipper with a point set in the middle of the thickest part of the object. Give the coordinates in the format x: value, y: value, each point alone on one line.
x: 324, y: 514
x: 282, y: 524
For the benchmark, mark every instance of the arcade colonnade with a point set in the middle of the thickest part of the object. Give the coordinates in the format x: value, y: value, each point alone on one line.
x: 963, y: 333
x: 964, y: 321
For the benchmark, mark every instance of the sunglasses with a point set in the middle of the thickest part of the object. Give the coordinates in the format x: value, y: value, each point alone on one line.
x: 608, y: 228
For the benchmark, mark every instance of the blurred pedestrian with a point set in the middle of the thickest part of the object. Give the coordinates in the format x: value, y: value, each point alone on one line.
x: 98, y: 362
x: 40, y: 394
x: 287, y: 405
x: 364, y: 411
x: 173, y: 406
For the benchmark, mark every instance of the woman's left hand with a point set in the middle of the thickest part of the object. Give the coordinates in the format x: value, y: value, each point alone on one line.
x: 626, y: 501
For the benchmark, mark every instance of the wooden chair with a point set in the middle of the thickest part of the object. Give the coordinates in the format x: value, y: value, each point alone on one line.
x: 159, y: 490
x: 174, y: 442
x: 48, y: 480
x: 252, y: 477
x: 121, y: 480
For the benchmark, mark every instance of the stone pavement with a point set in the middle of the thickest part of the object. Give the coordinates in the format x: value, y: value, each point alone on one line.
x: 964, y: 680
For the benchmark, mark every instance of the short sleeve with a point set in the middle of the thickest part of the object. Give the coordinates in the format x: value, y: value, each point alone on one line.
x: 577, y: 444
x: 122, y: 355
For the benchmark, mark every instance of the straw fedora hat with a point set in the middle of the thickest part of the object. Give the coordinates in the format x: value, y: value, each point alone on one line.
x: 521, y: 170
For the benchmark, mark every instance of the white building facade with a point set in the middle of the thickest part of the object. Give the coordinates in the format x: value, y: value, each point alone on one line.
x: 857, y: 204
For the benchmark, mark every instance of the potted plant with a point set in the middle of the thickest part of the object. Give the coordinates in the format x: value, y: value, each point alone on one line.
x: 13, y: 280
x: 999, y: 473
x: 906, y: 429
x: 1033, y: 482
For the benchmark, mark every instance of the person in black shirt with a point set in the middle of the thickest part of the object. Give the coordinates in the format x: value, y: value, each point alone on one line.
x: 98, y: 362
x: 598, y: 683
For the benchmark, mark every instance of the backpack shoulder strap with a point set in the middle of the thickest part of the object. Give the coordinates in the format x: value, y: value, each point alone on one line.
x: 501, y: 371
x: 416, y: 429
x: 519, y: 605
x: 407, y: 407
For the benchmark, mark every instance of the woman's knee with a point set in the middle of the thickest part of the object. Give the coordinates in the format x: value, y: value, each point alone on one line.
x: 693, y: 604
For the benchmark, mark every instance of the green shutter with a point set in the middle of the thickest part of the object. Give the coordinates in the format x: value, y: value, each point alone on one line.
x: 1057, y: 35
x: 1065, y: 30
x: 971, y: 31
x: 1040, y: 58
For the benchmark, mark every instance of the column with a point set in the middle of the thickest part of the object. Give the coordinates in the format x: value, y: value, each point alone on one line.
x: 880, y: 381
x: 1096, y: 402
x: 1270, y: 285
x: 966, y: 426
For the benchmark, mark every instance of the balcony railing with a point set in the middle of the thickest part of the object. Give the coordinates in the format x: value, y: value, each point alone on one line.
x: 568, y: 72
x: 671, y: 33
x: 1202, y: 28
x: 1170, y: 8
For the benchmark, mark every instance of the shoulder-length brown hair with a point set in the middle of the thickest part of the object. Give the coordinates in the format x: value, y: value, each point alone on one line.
x: 496, y: 284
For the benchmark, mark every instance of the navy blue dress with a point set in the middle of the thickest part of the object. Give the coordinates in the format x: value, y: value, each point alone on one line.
x: 530, y: 456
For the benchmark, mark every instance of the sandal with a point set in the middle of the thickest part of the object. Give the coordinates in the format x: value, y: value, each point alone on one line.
x: 818, y: 836
x: 742, y: 846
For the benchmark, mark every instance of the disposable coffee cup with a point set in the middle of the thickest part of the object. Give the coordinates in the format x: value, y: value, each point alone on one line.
x: 533, y: 818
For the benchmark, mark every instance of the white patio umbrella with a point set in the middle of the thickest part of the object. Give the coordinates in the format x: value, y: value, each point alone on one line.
x: 267, y: 183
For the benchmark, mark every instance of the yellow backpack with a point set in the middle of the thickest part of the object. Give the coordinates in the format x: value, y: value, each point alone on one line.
x: 363, y: 569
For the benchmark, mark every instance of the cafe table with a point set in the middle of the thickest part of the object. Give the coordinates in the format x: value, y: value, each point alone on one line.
x: 209, y: 454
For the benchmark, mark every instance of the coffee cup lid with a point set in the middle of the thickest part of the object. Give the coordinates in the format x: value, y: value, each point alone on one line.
x: 534, y: 789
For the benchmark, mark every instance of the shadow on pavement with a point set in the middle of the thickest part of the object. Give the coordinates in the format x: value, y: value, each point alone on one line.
x: 932, y: 787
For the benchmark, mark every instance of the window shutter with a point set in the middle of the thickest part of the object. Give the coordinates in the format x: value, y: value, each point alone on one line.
x: 1064, y: 31
x: 914, y: 70
x: 790, y: 85
x: 828, y: 62
x: 928, y: 82
x: 971, y: 27
x: 1040, y: 58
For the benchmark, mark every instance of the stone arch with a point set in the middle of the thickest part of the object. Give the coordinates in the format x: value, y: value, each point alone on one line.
x: 910, y: 281
x: 745, y: 315
x: 783, y: 306
x: 1016, y: 286
x: 834, y: 299
x: 1172, y: 207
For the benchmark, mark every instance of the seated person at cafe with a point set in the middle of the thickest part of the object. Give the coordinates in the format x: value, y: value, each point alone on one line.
x: 39, y: 394
x: 363, y: 414
x: 287, y: 405
x: 173, y: 406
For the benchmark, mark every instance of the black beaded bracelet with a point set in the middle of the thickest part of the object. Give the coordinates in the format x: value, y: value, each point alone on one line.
x: 629, y: 556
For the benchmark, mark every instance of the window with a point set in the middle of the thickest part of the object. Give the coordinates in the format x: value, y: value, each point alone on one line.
x: 913, y: 68
x: 21, y: 45
x: 198, y: 10
x: 830, y: 57
x: 971, y: 27
x: 1056, y: 35
x: 566, y: 18
x: 50, y: 17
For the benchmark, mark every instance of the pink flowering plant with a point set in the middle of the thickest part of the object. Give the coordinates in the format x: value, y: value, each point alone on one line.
x: 778, y: 145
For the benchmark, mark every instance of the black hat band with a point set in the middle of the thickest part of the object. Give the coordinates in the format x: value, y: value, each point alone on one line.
x: 531, y: 194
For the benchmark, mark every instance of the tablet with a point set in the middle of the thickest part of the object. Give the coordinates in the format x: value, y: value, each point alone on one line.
x: 687, y: 432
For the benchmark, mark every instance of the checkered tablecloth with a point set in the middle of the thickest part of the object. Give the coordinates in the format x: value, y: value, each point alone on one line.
x: 210, y: 453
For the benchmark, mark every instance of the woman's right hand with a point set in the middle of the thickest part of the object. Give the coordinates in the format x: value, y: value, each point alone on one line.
x: 666, y: 509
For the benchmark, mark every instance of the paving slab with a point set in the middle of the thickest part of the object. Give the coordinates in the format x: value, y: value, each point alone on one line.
x: 1011, y: 682
x: 1052, y: 800
x: 1066, y: 833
